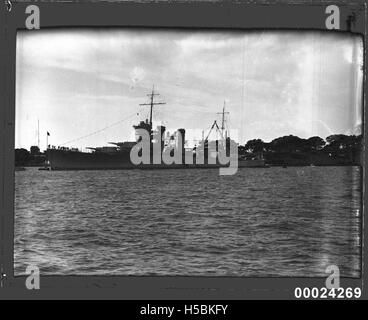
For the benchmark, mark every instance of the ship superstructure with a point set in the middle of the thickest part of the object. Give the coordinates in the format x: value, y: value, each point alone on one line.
x: 118, y: 156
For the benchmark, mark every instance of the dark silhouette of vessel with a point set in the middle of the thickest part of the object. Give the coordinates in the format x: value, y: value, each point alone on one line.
x: 118, y: 156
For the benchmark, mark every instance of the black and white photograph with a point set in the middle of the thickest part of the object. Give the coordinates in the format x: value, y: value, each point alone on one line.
x: 188, y: 152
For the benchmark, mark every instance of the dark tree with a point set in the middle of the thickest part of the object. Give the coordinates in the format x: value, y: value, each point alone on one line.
x: 288, y: 144
x: 254, y: 146
x: 339, y: 143
x: 336, y: 139
x: 343, y: 147
x: 22, y: 156
x: 316, y: 143
x: 35, y: 150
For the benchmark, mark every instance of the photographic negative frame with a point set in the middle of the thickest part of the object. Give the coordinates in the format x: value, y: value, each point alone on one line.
x: 280, y: 15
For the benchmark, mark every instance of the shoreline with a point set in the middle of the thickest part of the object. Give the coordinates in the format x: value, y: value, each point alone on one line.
x: 24, y: 168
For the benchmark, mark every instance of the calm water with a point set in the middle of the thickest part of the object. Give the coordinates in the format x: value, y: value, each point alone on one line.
x: 260, y: 222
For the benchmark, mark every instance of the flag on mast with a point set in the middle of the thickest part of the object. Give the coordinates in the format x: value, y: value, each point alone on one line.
x: 47, y: 139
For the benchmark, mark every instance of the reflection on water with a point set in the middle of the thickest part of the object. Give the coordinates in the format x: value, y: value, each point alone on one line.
x: 259, y: 222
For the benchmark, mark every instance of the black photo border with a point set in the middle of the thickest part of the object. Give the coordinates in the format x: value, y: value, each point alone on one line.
x: 246, y: 15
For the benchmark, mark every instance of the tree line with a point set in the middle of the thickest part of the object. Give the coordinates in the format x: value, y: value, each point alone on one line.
x: 337, y: 149
x: 24, y: 158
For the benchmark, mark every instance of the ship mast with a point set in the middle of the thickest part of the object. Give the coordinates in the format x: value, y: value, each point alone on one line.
x: 152, y: 103
x: 213, y: 126
x: 223, y: 120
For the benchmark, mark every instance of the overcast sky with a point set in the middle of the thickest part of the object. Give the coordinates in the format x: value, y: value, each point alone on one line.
x: 274, y: 83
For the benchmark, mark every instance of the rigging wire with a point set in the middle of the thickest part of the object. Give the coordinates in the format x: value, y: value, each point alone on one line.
x: 100, y: 130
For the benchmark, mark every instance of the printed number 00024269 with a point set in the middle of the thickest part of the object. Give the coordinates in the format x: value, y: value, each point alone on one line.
x: 324, y: 293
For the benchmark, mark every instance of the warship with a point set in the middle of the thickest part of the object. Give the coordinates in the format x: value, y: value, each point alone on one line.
x: 118, y: 155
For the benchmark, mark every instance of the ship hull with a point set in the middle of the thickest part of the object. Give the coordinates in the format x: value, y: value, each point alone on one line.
x: 75, y: 160
x: 72, y: 160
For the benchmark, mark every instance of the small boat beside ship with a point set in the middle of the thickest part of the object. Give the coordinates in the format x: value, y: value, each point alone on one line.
x: 118, y: 156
